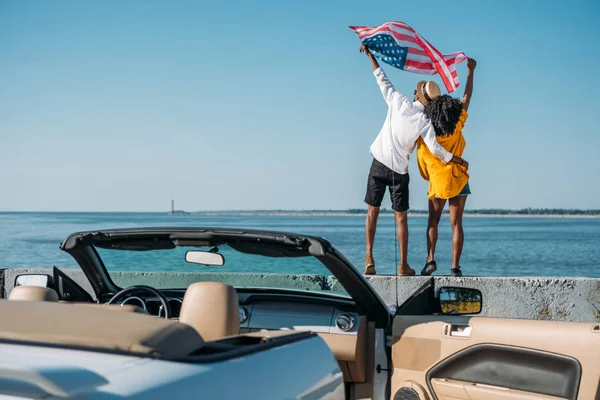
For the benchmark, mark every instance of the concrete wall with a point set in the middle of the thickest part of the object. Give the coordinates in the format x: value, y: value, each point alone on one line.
x: 562, y: 299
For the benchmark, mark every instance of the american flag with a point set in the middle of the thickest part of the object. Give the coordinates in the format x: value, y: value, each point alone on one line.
x: 399, y: 45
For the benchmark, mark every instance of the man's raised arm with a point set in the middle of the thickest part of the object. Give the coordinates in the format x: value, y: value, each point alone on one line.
x: 387, y: 89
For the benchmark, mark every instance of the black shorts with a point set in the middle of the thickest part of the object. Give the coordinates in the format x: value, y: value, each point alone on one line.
x: 381, y: 177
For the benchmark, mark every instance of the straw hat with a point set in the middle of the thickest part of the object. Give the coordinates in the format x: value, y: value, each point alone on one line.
x: 427, y: 91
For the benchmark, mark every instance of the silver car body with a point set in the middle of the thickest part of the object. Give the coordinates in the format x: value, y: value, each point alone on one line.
x: 51, y: 373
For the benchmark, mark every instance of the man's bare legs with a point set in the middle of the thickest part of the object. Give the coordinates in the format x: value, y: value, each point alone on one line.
x: 371, y: 227
x: 457, y: 208
x: 402, y: 224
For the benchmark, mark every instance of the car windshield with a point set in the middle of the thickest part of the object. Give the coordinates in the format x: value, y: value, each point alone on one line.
x: 168, y: 269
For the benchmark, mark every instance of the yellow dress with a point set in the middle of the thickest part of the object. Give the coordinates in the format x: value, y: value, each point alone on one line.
x: 445, y: 180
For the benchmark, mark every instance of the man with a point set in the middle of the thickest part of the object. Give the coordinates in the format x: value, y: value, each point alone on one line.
x: 404, y: 124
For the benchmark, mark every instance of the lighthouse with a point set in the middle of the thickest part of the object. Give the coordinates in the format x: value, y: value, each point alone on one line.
x: 176, y: 212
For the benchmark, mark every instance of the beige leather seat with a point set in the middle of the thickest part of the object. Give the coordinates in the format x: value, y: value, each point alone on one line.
x: 212, y: 309
x: 33, y: 293
x: 113, y: 307
x: 95, y: 327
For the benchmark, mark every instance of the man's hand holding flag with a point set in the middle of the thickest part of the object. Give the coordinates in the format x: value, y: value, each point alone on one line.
x: 400, y: 46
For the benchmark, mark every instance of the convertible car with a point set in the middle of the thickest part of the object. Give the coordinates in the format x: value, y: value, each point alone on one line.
x: 234, y: 335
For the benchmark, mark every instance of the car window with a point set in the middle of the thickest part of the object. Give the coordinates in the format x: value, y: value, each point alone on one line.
x: 239, y: 269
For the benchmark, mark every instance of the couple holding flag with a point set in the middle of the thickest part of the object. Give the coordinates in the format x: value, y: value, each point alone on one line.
x: 433, y: 123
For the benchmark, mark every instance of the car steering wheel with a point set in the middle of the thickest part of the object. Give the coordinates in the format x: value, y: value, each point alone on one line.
x: 141, y: 288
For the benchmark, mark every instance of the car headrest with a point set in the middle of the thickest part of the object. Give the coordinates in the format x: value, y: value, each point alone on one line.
x: 33, y: 293
x: 212, y: 309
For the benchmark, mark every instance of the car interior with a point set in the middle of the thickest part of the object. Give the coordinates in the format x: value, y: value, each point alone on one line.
x: 444, y: 357
x: 208, y: 313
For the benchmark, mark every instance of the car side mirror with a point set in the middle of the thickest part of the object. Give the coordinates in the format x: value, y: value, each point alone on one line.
x: 459, y: 300
x: 40, y: 280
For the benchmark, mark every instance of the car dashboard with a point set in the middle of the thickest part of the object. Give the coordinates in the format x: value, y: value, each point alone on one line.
x: 272, y: 311
x: 335, y: 319
x: 294, y: 313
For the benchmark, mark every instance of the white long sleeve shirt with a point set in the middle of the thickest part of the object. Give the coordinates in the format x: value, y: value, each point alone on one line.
x: 404, y: 123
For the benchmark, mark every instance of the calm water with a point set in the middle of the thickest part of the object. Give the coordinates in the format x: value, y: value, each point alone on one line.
x: 493, y: 246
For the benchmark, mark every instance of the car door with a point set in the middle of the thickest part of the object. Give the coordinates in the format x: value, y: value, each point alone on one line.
x: 469, y: 357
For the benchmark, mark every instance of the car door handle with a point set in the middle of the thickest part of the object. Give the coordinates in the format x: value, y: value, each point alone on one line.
x: 460, y: 330
x: 457, y: 330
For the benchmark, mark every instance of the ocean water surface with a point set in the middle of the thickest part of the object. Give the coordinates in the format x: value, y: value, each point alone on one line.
x: 494, y: 246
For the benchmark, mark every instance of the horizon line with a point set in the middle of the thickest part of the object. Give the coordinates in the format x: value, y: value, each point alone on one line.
x: 280, y: 210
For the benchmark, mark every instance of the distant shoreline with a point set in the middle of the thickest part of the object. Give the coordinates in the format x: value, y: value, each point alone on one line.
x: 358, y: 214
x: 495, y: 213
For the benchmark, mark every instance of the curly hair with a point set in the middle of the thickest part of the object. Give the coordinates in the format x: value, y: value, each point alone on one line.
x: 444, y: 112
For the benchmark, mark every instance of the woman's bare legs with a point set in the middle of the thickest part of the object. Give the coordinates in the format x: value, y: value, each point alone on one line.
x: 436, y: 207
x: 457, y: 208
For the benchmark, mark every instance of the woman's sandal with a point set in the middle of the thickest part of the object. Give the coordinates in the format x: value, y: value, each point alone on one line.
x: 429, y: 268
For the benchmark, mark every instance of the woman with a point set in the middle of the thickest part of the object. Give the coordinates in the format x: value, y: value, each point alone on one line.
x: 446, y: 181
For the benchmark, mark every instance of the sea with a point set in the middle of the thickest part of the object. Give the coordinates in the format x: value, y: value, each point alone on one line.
x: 494, y: 246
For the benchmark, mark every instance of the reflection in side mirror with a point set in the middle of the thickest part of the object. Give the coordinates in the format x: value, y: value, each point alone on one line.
x: 460, y: 300
x: 204, y: 258
x: 40, y: 280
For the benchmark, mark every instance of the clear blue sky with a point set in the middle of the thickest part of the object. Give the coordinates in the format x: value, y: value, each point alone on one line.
x: 124, y: 105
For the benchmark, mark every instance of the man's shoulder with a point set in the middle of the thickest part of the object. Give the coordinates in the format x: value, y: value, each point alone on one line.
x: 423, y: 120
x: 419, y: 106
x: 418, y: 113
x: 414, y: 107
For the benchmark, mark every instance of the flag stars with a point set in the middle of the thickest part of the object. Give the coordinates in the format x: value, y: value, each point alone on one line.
x: 387, y: 49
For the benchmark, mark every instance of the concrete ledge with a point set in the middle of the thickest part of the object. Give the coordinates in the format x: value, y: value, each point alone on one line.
x: 184, y: 279
x: 561, y: 299
x: 176, y: 280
